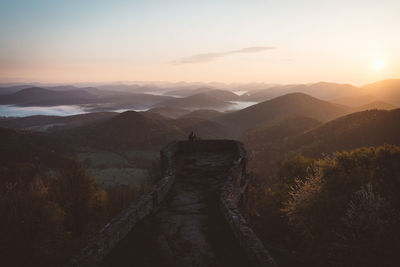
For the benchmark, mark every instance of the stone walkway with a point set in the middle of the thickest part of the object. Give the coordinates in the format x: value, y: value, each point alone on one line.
x: 188, y: 229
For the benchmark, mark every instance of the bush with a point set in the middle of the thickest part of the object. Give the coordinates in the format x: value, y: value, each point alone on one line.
x: 31, y: 223
x: 340, y: 210
x: 368, y: 232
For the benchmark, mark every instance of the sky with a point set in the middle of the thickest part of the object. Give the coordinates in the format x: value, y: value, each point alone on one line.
x: 244, y: 41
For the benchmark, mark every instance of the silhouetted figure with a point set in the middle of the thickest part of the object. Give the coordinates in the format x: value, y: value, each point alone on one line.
x: 191, y: 136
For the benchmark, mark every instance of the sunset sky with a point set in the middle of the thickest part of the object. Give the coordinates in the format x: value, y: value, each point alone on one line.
x: 225, y: 41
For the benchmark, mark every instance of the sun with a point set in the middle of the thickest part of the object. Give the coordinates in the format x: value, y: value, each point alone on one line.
x: 378, y: 64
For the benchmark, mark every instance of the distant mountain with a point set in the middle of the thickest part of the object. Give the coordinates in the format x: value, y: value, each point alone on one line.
x: 326, y: 90
x: 65, y: 88
x: 197, y: 101
x: 129, y: 101
x: 185, y: 92
x: 375, y: 105
x: 266, y: 93
x: 386, y: 90
x: 120, y: 87
x: 51, y: 123
x: 12, y: 89
x: 355, y: 101
x: 322, y: 90
x: 36, y: 96
x: 283, y: 107
x: 169, y: 112
x: 223, y: 95
x: 94, y: 99
x: 207, y: 114
x: 134, y: 88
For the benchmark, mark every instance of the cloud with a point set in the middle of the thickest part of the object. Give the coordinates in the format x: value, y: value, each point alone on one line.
x: 207, y: 57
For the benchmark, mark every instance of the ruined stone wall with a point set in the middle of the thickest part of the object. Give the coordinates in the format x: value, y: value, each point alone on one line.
x: 121, y: 225
x: 232, y: 192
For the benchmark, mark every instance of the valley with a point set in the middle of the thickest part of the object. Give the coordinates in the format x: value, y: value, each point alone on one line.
x: 288, y: 137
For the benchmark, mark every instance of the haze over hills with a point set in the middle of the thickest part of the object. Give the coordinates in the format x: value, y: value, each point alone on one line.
x: 119, y: 148
x: 295, y: 104
x: 197, y: 101
x: 205, y: 105
x: 375, y: 105
x: 386, y: 90
x: 224, y: 95
x: 322, y: 90
x: 12, y: 89
x: 37, y: 96
x: 51, y: 123
x: 143, y: 96
x: 199, y: 133
x: 169, y: 111
x: 93, y: 99
x: 355, y: 101
x: 184, y: 92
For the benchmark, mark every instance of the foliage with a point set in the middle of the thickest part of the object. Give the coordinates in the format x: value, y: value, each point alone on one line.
x: 31, y: 223
x: 367, y: 128
x: 343, y: 209
x: 47, y: 216
x: 369, y: 226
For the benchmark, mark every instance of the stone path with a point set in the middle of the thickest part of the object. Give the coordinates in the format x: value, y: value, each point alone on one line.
x: 188, y: 229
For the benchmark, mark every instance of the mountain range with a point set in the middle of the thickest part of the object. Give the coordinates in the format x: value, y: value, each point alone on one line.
x: 270, y: 111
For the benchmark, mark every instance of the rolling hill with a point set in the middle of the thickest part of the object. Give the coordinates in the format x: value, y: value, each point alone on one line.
x: 48, y: 123
x: 126, y: 130
x: 258, y: 138
x: 366, y: 128
x: 169, y: 112
x: 207, y: 114
x: 138, y: 130
x: 386, y: 90
x: 203, y: 128
x: 355, y: 101
x: 375, y: 105
x: 185, y: 92
x: 283, y: 107
x: 93, y: 98
x: 5, y: 90
x: 322, y: 90
x: 36, y: 96
x: 197, y: 101
x: 223, y: 95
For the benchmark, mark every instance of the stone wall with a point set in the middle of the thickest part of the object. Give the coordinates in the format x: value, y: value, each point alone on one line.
x: 121, y: 225
x: 232, y: 192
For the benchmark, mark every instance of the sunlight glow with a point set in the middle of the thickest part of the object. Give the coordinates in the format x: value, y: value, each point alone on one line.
x: 378, y: 64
